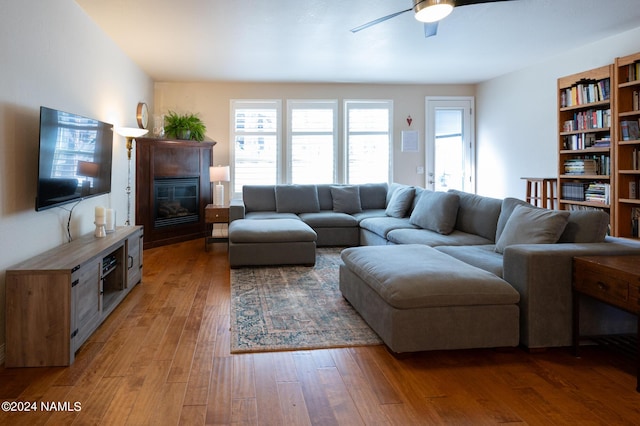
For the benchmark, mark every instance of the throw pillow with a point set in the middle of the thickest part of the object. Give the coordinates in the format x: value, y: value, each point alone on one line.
x: 400, y: 202
x: 586, y: 226
x: 436, y: 211
x: 346, y: 199
x: 530, y: 225
x: 297, y: 199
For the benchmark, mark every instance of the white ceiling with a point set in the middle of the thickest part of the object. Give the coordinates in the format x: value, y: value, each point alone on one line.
x: 310, y: 41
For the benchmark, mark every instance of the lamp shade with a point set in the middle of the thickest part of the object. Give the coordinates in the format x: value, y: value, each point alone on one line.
x: 219, y: 174
x: 432, y: 10
x: 88, y: 168
x: 131, y: 132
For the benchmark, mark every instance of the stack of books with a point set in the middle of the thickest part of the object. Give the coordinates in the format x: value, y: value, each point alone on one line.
x: 597, y: 192
x: 581, y: 166
x: 573, y: 191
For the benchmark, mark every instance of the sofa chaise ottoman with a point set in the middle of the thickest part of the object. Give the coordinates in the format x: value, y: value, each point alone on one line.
x: 417, y: 298
x: 271, y: 242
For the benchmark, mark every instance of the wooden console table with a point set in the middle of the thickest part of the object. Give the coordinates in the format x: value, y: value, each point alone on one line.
x: 56, y: 300
x: 614, y: 280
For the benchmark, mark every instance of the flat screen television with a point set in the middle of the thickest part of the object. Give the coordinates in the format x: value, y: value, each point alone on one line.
x: 74, y: 158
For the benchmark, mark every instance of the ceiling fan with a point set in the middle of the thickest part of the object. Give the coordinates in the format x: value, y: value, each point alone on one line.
x: 427, y: 11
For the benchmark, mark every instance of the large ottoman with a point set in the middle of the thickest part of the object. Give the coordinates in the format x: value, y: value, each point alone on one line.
x: 271, y: 242
x: 417, y: 298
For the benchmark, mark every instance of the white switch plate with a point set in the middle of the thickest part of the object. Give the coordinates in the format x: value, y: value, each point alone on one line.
x: 420, y: 170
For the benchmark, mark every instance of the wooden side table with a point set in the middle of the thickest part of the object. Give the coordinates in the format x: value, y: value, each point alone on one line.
x: 614, y: 280
x: 217, y: 215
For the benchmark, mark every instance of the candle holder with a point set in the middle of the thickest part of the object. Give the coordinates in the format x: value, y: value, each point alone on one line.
x: 101, y: 231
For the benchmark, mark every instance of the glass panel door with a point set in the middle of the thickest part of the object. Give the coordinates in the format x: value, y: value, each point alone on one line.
x: 449, y: 148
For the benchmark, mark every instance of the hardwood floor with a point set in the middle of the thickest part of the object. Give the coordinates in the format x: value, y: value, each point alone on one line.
x: 163, y: 358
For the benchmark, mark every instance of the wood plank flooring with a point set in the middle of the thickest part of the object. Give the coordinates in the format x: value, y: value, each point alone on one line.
x: 162, y: 358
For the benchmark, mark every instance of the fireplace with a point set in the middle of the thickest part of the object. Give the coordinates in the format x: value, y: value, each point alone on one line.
x: 176, y: 201
x: 172, y: 189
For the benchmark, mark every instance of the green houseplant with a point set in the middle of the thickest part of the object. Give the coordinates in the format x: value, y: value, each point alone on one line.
x: 186, y: 126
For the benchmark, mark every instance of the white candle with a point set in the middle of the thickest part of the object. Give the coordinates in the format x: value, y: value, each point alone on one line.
x: 99, y: 215
x: 111, y: 220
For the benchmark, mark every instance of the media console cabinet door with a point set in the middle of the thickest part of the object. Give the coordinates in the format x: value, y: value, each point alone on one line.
x: 38, y: 321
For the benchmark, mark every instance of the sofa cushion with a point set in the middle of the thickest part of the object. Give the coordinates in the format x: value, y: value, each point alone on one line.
x: 383, y: 225
x: 270, y: 215
x: 365, y: 214
x: 270, y: 231
x: 583, y: 226
x: 329, y: 219
x: 346, y: 199
x: 433, y: 239
x: 297, y: 199
x: 398, y: 274
x: 478, y: 214
x: 436, y: 211
x: 400, y: 202
x: 259, y: 198
x: 482, y: 256
x: 373, y: 195
x: 530, y: 225
x: 324, y: 196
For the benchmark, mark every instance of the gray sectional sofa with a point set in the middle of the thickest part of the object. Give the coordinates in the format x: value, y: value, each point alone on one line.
x: 529, y: 248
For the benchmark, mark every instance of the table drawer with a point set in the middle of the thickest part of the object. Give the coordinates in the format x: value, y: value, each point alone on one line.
x: 216, y: 215
x: 604, y: 287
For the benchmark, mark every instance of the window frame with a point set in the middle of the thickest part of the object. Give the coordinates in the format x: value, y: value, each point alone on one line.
x: 293, y: 104
x: 367, y: 104
x: 236, y: 104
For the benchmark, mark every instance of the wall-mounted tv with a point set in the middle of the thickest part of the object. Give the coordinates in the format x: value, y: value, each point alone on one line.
x: 74, y: 160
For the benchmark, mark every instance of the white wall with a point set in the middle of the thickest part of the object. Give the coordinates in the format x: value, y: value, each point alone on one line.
x: 212, y: 102
x: 517, y: 121
x: 54, y: 55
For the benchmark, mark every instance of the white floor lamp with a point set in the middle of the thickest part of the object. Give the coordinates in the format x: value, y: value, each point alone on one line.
x: 219, y: 174
x: 130, y: 133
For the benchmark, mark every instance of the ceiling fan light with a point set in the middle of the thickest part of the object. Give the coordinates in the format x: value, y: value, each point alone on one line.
x: 432, y: 10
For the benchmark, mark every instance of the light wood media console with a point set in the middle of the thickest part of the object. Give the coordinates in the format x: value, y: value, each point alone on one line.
x: 56, y: 300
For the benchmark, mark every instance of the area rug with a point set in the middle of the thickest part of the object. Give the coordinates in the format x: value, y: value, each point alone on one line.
x: 294, y: 307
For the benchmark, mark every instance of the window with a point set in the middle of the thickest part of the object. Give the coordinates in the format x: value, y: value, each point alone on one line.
x: 311, y: 141
x: 256, y: 135
x: 313, y: 152
x: 368, y: 141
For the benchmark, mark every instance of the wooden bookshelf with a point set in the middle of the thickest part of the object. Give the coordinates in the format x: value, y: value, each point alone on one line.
x: 585, y: 141
x: 627, y: 145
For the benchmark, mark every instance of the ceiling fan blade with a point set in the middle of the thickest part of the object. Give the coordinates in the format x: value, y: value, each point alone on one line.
x: 377, y: 21
x: 470, y: 2
x: 430, y: 29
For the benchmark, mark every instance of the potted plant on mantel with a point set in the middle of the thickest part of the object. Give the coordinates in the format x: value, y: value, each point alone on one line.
x: 186, y: 126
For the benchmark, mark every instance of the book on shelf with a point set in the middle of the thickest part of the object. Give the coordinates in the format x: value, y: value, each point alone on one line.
x: 633, y: 190
x: 598, y: 193
x: 635, y: 218
x: 600, y: 165
x: 585, y: 91
x: 630, y: 130
x: 633, y: 71
x: 635, y: 101
x: 573, y: 191
x: 635, y: 159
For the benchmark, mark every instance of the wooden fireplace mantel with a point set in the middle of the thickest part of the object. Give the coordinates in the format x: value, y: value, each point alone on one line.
x: 164, y: 159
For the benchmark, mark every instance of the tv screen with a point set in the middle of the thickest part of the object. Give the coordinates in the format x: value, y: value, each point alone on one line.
x: 74, y: 158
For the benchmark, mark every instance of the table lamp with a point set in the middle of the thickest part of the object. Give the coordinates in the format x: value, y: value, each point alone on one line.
x: 219, y: 174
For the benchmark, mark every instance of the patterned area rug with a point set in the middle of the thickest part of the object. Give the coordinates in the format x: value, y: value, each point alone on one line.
x: 294, y: 307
